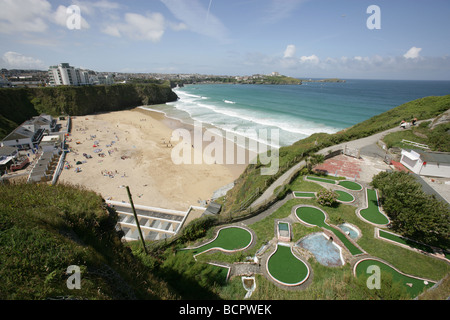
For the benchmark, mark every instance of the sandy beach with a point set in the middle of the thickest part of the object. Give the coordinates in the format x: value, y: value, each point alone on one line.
x: 133, y: 148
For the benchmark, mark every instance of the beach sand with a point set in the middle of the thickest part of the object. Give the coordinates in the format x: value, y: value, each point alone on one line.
x: 133, y: 149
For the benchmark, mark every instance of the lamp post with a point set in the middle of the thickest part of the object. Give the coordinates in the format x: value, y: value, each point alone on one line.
x: 137, y: 221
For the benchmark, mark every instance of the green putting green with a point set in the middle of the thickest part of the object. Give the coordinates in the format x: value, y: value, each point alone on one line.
x: 344, y: 196
x: 228, y: 239
x: 315, y: 216
x: 418, y: 285
x: 284, y: 267
x: 304, y: 194
x: 373, y: 213
x: 350, y: 185
x: 321, y: 179
x: 404, y: 241
x: 311, y: 215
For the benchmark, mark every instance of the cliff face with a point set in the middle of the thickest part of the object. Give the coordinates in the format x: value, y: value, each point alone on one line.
x: 18, y: 105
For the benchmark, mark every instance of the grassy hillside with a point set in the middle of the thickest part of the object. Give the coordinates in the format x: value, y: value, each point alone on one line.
x: 20, y: 104
x: 251, y: 183
x: 45, y: 229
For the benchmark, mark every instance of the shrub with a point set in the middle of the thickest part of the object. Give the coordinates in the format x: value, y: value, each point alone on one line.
x: 327, y: 198
x: 197, y: 228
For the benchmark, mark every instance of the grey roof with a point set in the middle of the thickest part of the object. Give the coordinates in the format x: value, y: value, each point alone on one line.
x: 19, y: 133
x: 213, y: 208
x: 435, y: 157
x: 7, y: 151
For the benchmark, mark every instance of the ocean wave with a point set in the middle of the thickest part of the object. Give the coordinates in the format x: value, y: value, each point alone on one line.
x: 298, y: 126
x: 236, y: 118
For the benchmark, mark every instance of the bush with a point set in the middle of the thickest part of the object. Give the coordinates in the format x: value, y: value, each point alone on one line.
x: 327, y: 198
x: 197, y: 229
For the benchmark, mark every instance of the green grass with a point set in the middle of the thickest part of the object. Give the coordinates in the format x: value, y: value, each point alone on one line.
x: 344, y: 196
x: 330, y: 181
x: 350, y: 185
x: 285, y: 267
x: 228, y: 239
x: 311, y: 215
x: 417, y: 285
x: 404, y: 241
x: 44, y: 229
x: 373, y: 213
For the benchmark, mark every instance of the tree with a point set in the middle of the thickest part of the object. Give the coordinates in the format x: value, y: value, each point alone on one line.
x: 413, y: 213
x: 314, y: 160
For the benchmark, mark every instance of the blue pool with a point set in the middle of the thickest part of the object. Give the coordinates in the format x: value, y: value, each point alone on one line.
x: 349, y: 230
x: 324, y: 250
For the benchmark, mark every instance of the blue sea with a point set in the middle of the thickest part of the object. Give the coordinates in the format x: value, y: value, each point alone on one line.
x: 297, y: 111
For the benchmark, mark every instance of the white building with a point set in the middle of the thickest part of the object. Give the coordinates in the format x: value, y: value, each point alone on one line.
x: 426, y: 163
x: 29, y: 134
x: 66, y: 75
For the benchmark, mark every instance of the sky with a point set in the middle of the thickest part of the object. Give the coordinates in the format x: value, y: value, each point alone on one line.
x: 348, y: 39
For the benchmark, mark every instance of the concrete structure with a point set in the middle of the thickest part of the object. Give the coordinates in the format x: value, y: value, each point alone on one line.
x: 66, y: 75
x: 155, y: 223
x: 45, y: 168
x: 50, y: 143
x: 29, y: 134
x: 427, y: 163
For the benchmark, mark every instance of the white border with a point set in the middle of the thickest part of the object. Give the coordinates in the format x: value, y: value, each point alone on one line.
x: 292, y: 252
x: 391, y: 266
x: 358, y: 211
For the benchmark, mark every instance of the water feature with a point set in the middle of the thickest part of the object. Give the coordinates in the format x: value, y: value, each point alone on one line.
x: 349, y: 230
x: 323, y: 248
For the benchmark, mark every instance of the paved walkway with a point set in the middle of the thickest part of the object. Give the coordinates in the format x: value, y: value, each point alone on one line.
x: 342, y: 166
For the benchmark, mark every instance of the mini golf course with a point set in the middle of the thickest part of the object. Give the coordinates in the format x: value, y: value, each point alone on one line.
x: 372, y: 213
x: 414, y: 286
x: 284, y: 267
x: 228, y: 239
x: 316, y: 217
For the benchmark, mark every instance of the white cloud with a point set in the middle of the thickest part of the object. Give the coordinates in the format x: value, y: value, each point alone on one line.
x: 139, y: 27
x: 290, y: 51
x: 35, y: 16
x: 24, y: 15
x: 197, y: 18
x: 14, y: 60
x: 412, y: 53
x: 310, y: 59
